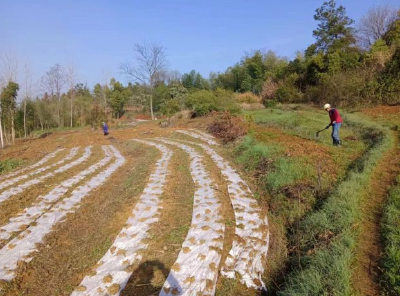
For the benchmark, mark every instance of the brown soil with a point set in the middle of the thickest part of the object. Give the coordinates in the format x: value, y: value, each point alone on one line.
x: 366, y: 271
x: 384, y: 113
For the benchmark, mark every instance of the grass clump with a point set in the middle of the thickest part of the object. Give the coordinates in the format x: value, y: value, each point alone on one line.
x: 327, y: 237
x: 391, y: 242
x: 9, y: 164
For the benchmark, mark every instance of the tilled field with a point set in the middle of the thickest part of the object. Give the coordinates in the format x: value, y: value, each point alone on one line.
x: 86, y: 219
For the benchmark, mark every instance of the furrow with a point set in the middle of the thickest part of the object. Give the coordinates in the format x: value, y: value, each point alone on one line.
x: 115, y: 268
x: 22, y: 247
x: 39, y: 163
x: 195, y: 271
x: 29, y: 215
x: 20, y: 188
x: 199, y: 136
x: 10, y: 182
x: 250, y: 246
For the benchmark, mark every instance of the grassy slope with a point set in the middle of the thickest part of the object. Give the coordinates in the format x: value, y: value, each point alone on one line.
x: 294, y: 171
x: 328, y: 235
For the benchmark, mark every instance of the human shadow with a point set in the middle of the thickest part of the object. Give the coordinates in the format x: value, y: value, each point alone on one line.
x: 148, y: 279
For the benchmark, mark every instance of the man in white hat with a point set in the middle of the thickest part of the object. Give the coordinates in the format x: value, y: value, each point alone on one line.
x: 336, y: 122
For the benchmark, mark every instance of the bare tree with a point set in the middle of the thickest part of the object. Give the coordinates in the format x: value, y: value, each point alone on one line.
x: 27, y: 91
x: 54, y: 82
x: 150, y: 65
x: 71, y: 80
x: 375, y: 24
x: 105, y: 87
x: 9, y: 69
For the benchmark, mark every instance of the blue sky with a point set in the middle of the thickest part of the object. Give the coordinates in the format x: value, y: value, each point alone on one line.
x: 203, y: 35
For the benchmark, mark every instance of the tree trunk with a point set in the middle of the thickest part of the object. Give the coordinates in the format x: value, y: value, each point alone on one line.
x: 59, y: 110
x: 151, y: 107
x: 5, y: 134
x: 25, y: 118
x: 1, y: 134
x: 71, y: 108
x: 12, y: 127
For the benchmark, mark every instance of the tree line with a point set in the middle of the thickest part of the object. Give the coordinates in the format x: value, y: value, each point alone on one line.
x: 349, y: 64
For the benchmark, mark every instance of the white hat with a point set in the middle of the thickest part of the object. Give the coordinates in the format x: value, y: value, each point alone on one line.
x: 327, y: 106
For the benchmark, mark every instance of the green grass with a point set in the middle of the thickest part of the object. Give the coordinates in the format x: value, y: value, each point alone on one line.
x: 328, y: 236
x: 391, y: 242
x: 9, y: 164
x: 303, y: 121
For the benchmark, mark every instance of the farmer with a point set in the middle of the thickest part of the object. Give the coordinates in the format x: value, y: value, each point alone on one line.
x: 105, y: 128
x: 336, y: 122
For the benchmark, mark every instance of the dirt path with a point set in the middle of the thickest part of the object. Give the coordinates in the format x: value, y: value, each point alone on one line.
x: 366, y: 270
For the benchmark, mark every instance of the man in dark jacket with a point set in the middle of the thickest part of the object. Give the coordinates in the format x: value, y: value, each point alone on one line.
x: 336, y: 122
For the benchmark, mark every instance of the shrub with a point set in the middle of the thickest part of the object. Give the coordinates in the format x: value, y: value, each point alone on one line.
x: 202, y: 102
x: 248, y: 98
x: 170, y: 107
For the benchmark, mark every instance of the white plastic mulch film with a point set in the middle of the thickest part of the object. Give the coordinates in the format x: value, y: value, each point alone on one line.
x: 10, y: 182
x: 250, y: 246
x: 44, y: 203
x: 199, y: 135
x: 21, y: 187
x: 23, y: 246
x: 39, y: 163
x: 114, y: 269
x: 195, y: 271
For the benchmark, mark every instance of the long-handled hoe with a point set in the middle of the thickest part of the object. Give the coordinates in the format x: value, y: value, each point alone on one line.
x: 317, y: 133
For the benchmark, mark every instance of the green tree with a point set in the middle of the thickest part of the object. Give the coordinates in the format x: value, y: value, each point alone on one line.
x: 119, y: 95
x: 8, y: 100
x: 334, y: 30
x: 392, y: 36
x: 194, y: 80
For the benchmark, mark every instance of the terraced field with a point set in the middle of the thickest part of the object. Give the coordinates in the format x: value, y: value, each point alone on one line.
x: 152, y: 211
x: 60, y: 186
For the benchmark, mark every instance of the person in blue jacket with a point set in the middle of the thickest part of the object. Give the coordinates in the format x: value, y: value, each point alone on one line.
x: 105, y: 128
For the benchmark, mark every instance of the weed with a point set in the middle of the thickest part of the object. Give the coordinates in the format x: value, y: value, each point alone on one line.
x: 7, y: 165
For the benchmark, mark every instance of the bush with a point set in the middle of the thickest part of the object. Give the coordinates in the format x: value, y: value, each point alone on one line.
x: 204, y: 101
x: 228, y: 128
x: 170, y: 107
x: 288, y: 94
x: 248, y: 98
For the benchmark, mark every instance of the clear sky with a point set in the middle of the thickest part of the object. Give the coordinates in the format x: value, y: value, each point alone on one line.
x: 207, y: 35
